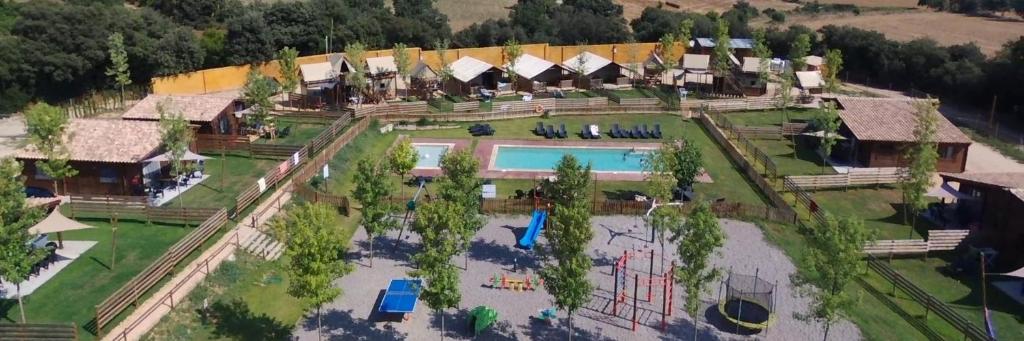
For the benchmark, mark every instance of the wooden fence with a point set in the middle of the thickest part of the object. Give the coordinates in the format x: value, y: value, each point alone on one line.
x: 938, y: 240
x: 118, y: 200
x: 97, y: 103
x: 582, y: 104
x: 853, y: 178
x: 419, y: 107
x: 38, y: 332
x: 135, y: 288
x: 755, y: 154
x: 307, y: 193
x: 772, y: 132
x: 146, y: 213
x: 804, y: 199
x: 466, y: 106
x: 727, y: 105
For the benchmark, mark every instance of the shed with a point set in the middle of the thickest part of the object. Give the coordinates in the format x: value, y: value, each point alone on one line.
x: 212, y: 113
x: 997, y: 208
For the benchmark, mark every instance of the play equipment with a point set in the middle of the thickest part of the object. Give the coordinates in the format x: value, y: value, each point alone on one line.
x: 410, y: 209
x: 548, y: 315
x: 482, y: 317
x: 401, y: 296
x: 503, y: 281
x: 664, y: 280
x: 749, y: 301
x: 533, y: 230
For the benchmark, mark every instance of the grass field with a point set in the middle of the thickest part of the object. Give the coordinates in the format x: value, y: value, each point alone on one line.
x: 71, y: 296
x: 881, y: 209
x: 301, y: 131
x: 239, y: 172
x: 771, y: 117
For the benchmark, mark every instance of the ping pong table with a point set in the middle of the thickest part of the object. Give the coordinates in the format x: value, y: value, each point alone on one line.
x: 401, y: 296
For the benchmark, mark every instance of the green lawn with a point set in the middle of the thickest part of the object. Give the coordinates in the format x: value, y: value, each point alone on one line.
x: 634, y: 93
x: 229, y: 176
x: 803, y: 161
x: 767, y: 118
x: 71, y: 296
x: 880, y: 208
x: 301, y: 131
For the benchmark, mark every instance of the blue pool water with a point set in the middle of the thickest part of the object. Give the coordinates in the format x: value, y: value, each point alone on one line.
x: 545, y: 159
x: 430, y: 155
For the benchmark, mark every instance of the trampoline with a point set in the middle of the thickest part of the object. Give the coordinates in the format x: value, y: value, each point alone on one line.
x: 401, y: 296
x: 749, y: 301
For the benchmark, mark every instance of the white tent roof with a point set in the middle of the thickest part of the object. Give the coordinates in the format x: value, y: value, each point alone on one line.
x: 592, y: 62
x: 810, y: 79
x: 56, y: 222
x: 529, y: 66
x: 467, y: 68
x: 696, y: 61
x: 381, y: 64
x: 424, y: 71
x: 317, y: 72
x: 814, y: 60
x: 189, y: 156
x: 751, y: 64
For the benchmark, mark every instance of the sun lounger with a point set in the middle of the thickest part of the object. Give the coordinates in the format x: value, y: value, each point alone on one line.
x: 595, y: 132
x: 550, y: 133
x: 635, y: 133
x: 657, y: 131
x: 585, y: 132
x: 539, y: 130
x: 644, y: 133
x: 615, y: 132
x: 561, y: 131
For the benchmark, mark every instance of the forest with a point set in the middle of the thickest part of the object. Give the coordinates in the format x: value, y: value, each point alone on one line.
x: 56, y: 50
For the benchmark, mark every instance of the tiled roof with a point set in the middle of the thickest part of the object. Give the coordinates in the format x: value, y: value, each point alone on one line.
x: 114, y: 141
x: 881, y: 119
x: 198, y: 108
x: 1001, y: 179
x: 592, y: 62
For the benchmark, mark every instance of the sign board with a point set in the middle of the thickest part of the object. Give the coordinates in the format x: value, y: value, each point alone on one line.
x: 489, y: 191
x: 262, y: 183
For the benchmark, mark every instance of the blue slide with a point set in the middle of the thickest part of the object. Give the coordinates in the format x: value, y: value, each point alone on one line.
x: 532, y: 231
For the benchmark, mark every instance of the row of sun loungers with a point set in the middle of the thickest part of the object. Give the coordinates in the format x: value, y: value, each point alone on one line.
x: 550, y: 131
x: 638, y: 132
x: 481, y: 130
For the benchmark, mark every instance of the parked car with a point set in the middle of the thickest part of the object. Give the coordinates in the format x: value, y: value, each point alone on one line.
x: 38, y: 192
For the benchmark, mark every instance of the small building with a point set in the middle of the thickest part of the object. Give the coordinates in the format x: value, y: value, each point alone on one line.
x: 536, y: 74
x: 749, y: 77
x: 995, y: 209
x: 697, y: 75
x: 741, y: 47
x: 596, y: 71
x: 423, y: 81
x: 814, y: 63
x: 879, y: 130
x: 108, y: 155
x: 213, y: 114
x: 471, y: 75
x: 383, y: 76
x: 317, y: 77
x: 810, y: 81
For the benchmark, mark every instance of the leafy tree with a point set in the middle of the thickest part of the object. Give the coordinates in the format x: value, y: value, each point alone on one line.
x: 176, y: 136
x: 699, y: 239
x: 47, y: 133
x: 256, y: 94
x: 660, y: 177
x: 685, y: 33
x: 512, y: 51
x: 784, y: 95
x: 418, y: 23
x: 195, y: 13
x: 833, y: 64
x: 579, y: 66
x: 213, y: 42
x: 568, y: 236
x: 722, y: 64
x: 356, y: 54
x: 439, y: 224
x: 316, y: 254
x: 403, y: 158
x: 289, y: 70
x: 764, y: 55
x: 633, y: 59
x: 119, y: 62
x: 372, y: 192
x: 444, y: 72
x: 682, y: 160
x: 922, y: 156
x: 654, y: 22
x: 490, y: 32
x: 828, y: 121
x: 403, y: 63
x: 836, y: 260
x: 668, y: 54
x: 249, y: 39
x: 17, y: 257
x: 461, y: 186
x: 798, y: 53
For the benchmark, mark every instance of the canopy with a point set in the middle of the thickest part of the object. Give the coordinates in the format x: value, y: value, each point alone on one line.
x: 57, y: 222
x: 946, y: 191
x: 821, y: 134
x: 483, y: 317
x: 189, y: 156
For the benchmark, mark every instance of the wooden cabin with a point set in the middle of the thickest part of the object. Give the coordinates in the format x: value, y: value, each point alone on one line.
x: 596, y: 71
x: 470, y: 75
x: 996, y: 205
x: 536, y: 74
x: 212, y: 114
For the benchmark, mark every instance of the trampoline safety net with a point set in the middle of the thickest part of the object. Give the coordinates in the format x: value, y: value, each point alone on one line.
x: 751, y: 289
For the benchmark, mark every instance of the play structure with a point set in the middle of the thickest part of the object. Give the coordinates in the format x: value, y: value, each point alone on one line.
x: 533, y: 230
x: 749, y: 301
x: 481, y: 318
x: 621, y: 273
x: 401, y: 296
x: 504, y: 281
x: 410, y: 209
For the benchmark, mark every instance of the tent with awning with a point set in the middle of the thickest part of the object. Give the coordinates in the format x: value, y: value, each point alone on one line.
x: 57, y: 223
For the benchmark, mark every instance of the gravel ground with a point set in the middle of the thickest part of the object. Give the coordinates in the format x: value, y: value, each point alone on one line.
x: 353, y: 316
x: 12, y: 134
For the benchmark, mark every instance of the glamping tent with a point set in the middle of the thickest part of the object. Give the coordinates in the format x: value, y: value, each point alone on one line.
x: 471, y: 76
x: 594, y: 71
x: 535, y: 74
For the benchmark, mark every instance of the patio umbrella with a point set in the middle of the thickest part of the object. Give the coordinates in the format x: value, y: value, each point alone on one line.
x: 483, y: 317
x: 189, y: 156
x: 57, y: 223
x: 821, y: 134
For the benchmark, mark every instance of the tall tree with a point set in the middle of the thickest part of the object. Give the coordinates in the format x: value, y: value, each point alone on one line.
x: 579, y: 66
x: 828, y: 121
x: 256, y: 94
x: 287, y: 58
x: 669, y: 59
x: 403, y: 63
x: 699, y: 239
x: 403, y: 159
x: 633, y: 57
x: 176, y: 135
x: 316, y: 254
x: 461, y: 186
x: 444, y: 72
x: 836, y: 259
x: 685, y: 33
x: 833, y: 64
x: 372, y: 192
x: 47, y: 132
x: 798, y: 52
x: 16, y: 256
x: 439, y: 224
x: 569, y: 235
x: 356, y: 54
x: 720, y: 55
x: 921, y: 158
x: 659, y: 173
x: 784, y: 96
x: 764, y: 55
x: 118, y: 68
x: 512, y: 50
x: 682, y: 160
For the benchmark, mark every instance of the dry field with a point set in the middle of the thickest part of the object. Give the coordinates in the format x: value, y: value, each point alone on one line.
x: 462, y: 13
x: 633, y: 8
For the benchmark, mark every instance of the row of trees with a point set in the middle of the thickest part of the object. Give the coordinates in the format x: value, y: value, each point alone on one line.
x: 976, y: 6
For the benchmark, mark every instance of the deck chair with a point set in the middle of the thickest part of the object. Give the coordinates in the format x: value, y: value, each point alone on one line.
x: 561, y: 132
x: 585, y: 132
x: 539, y: 130
x: 644, y: 133
x: 657, y: 131
x: 550, y: 133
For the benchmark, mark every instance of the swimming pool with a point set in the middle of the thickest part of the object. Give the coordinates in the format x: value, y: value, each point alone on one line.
x: 430, y: 155
x: 602, y: 159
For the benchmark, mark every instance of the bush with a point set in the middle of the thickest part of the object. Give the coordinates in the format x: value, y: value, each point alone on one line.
x: 777, y: 16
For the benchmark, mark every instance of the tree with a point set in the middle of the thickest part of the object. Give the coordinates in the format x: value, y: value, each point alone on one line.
x: 118, y: 68
x: 722, y: 63
x: 833, y: 64
x: 569, y: 235
x: 669, y: 59
x: 461, y: 186
x: 249, y: 39
x: 372, y: 192
x: 47, y: 133
x: 439, y: 224
x: 356, y: 54
x: 579, y: 66
x: 828, y: 121
x: 176, y: 136
x: 445, y: 72
x: 764, y: 55
x: 685, y: 33
x: 659, y: 174
x: 681, y: 159
x: 256, y: 94
x: 836, y: 259
x: 512, y: 51
x: 784, y: 96
x: 17, y: 256
x: 798, y: 53
x: 289, y: 70
x: 699, y: 238
x: 403, y: 159
x: 633, y: 58
x: 316, y: 254
x: 403, y: 63
x: 922, y: 156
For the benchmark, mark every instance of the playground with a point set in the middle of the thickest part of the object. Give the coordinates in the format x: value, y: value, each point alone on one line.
x: 501, y: 274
